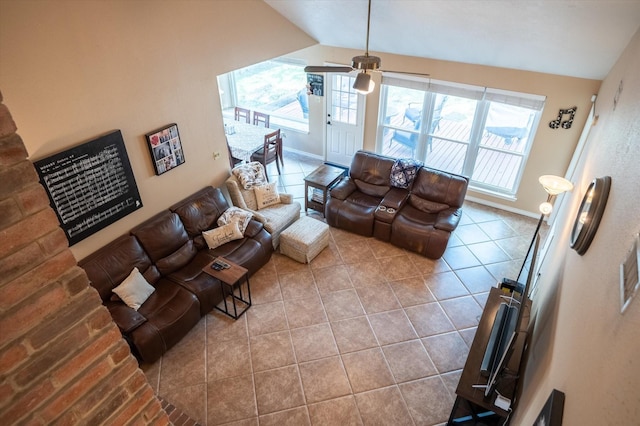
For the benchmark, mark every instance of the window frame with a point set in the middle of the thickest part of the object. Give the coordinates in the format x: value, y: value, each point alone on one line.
x: 484, y: 98
x: 227, y: 86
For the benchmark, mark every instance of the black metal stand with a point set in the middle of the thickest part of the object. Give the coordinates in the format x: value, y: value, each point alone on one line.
x: 239, y: 298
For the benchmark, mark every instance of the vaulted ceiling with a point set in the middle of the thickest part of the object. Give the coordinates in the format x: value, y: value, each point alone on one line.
x: 578, y: 38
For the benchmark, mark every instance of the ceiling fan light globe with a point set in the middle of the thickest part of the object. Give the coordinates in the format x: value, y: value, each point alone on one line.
x: 372, y: 85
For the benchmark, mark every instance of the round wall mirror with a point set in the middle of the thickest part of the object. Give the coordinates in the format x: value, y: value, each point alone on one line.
x: 589, y: 214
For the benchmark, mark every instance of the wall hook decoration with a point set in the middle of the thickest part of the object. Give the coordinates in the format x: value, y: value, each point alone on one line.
x: 554, y: 124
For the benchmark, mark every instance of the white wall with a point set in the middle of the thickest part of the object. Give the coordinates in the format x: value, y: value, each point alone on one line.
x: 581, y: 343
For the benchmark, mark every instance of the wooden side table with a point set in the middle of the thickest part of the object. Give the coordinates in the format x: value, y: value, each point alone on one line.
x: 322, y: 178
x: 230, y: 279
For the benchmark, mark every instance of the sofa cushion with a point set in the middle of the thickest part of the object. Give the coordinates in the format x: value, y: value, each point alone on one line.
x: 200, y: 212
x: 109, y: 266
x: 440, y: 187
x: 134, y: 290
x: 177, y: 259
x: 373, y: 190
x: 171, y: 311
x: 278, y: 217
x: 426, y: 205
x: 204, y: 286
x: 221, y: 235
x: 371, y: 168
x: 166, y: 241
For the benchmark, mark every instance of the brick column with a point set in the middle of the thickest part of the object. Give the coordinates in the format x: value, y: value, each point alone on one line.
x: 62, y: 358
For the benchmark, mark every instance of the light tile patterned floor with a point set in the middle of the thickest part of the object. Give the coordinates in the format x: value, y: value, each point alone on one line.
x: 365, y: 334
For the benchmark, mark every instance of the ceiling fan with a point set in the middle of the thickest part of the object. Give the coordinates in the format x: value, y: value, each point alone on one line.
x: 364, y: 63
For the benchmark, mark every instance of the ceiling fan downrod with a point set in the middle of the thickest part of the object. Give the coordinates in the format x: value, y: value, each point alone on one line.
x: 366, y: 62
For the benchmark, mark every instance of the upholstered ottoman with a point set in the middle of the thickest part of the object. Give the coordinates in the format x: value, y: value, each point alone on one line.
x: 305, y: 239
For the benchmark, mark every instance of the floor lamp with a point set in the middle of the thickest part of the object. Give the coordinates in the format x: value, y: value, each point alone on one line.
x: 553, y: 185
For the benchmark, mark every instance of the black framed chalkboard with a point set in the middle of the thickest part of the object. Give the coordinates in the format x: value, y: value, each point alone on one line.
x: 315, y: 84
x: 90, y: 186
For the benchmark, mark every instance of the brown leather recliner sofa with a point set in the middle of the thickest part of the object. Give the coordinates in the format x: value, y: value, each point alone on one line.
x: 419, y: 218
x: 170, y: 252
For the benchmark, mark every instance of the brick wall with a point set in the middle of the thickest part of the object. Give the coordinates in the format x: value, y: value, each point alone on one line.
x: 62, y: 359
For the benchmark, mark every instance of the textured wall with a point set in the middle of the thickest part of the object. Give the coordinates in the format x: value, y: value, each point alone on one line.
x: 582, y: 344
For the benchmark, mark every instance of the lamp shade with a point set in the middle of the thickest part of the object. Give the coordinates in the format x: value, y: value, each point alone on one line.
x: 555, y: 185
x: 363, y: 83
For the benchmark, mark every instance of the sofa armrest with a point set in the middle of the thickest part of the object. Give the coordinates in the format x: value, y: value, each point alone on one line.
x: 235, y: 194
x: 126, y: 319
x: 448, y: 219
x: 286, y: 198
x: 395, y: 198
x: 391, y: 204
x: 253, y: 228
x: 343, y: 189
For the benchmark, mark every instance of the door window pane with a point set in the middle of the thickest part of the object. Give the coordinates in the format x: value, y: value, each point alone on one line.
x: 344, y: 98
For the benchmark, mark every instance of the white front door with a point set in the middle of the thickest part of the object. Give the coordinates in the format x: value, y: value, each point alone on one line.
x: 345, y: 117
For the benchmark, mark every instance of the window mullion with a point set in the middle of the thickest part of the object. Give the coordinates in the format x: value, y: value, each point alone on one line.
x: 475, y: 138
x: 427, y: 102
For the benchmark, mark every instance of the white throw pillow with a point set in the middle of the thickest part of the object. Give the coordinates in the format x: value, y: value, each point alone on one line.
x: 235, y: 214
x: 266, y: 195
x: 134, y: 290
x: 221, y: 235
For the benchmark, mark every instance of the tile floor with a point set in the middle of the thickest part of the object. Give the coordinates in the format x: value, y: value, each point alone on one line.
x: 365, y: 334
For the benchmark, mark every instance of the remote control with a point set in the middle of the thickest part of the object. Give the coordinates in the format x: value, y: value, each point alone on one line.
x: 221, y: 264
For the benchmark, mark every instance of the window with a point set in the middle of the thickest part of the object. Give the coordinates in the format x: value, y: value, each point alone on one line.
x: 275, y: 87
x: 485, y: 134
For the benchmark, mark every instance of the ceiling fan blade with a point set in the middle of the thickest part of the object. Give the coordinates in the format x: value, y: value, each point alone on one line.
x: 407, y: 72
x: 312, y: 68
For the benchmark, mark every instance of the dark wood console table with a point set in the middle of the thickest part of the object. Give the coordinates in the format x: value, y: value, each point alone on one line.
x: 471, y: 406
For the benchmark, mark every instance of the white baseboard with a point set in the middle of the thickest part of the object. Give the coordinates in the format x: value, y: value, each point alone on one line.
x: 503, y: 207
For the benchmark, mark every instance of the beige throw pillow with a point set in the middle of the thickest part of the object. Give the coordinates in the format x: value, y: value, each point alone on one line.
x: 134, y: 290
x: 221, y: 235
x: 266, y: 195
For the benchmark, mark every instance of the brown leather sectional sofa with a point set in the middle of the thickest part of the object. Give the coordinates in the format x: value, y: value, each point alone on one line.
x: 170, y: 252
x: 419, y: 218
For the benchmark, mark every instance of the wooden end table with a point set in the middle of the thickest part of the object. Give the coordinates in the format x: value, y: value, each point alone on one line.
x: 322, y: 178
x: 230, y: 279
